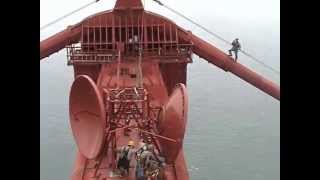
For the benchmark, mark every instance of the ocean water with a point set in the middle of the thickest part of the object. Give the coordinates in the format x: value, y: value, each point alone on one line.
x: 233, y: 130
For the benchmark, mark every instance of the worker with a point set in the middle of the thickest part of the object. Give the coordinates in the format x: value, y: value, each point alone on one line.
x: 130, y: 44
x: 154, y: 170
x: 147, y: 154
x: 141, y: 148
x: 235, y: 48
x: 136, y: 43
x: 125, y: 155
x: 153, y: 163
x: 147, y: 159
x: 140, y: 175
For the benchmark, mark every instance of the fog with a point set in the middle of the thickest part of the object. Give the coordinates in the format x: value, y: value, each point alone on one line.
x: 262, y: 12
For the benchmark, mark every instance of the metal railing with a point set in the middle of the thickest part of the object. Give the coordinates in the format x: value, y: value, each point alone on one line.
x: 78, y: 54
x: 97, y: 53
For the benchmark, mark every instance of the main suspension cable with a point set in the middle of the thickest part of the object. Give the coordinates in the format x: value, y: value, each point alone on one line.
x: 216, y: 35
x: 69, y: 14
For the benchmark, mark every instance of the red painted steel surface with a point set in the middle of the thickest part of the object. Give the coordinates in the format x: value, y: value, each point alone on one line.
x: 92, y: 71
x: 181, y: 168
x: 154, y: 83
x: 176, y: 70
x: 173, y: 122
x: 125, y: 4
x: 222, y: 60
x: 59, y: 41
x: 166, y: 49
x: 87, y: 116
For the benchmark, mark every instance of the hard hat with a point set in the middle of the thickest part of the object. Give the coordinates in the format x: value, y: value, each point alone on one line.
x: 131, y: 143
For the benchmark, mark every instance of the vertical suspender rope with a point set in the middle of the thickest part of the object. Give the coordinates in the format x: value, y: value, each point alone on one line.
x: 118, y: 69
x: 140, y: 69
x: 139, y: 80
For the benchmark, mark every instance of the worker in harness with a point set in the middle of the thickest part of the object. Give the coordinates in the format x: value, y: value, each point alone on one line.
x: 141, y: 148
x: 125, y: 155
x: 235, y: 48
x: 152, y: 163
x: 140, y: 175
x: 140, y: 172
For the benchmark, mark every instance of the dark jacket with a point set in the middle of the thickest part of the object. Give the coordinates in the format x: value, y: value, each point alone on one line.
x: 235, y: 45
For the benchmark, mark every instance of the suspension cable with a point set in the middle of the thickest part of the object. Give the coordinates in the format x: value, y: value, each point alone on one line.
x: 69, y: 14
x: 217, y: 36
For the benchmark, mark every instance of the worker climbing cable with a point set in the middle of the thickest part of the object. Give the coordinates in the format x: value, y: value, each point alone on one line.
x: 235, y: 48
x: 216, y: 35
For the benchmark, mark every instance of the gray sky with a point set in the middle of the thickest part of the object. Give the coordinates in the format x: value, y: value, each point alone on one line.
x: 267, y: 11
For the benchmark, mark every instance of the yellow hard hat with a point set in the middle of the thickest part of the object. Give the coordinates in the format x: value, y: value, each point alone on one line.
x: 131, y: 143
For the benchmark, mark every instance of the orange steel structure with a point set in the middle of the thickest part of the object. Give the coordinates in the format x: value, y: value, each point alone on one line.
x: 130, y: 70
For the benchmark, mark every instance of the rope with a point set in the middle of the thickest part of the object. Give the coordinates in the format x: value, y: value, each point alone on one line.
x: 69, y: 14
x: 140, y: 75
x: 140, y: 69
x: 262, y: 63
x: 217, y: 36
x: 118, y: 70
